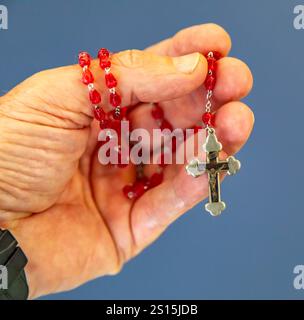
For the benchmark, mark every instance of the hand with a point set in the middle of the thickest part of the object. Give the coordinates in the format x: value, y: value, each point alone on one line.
x: 66, y: 210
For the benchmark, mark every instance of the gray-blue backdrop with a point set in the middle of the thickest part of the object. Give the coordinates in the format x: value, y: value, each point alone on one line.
x: 251, y: 250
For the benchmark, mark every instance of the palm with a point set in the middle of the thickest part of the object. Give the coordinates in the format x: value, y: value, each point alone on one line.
x: 84, y: 225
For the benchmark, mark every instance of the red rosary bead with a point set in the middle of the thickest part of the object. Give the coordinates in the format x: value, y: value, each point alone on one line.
x: 99, y: 114
x: 156, y: 179
x: 103, y: 54
x: 114, y: 124
x: 87, y: 77
x: 134, y: 191
x: 157, y: 112
x: 145, y: 181
x: 208, y: 119
x: 128, y: 191
x: 111, y: 81
x: 166, y: 125
x: 104, y: 64
x: 95, y: 96
x: 139, y: 188
x: 84, y: 59
x: 217, y: 55
x: 104, y: 124
x: 210, y: 82
x: 212, y: 65
x: 123, y: 112
x: 115, y: 99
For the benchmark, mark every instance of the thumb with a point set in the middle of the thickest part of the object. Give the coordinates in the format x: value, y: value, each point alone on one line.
x: 142, y: 76
x: 147, y: 77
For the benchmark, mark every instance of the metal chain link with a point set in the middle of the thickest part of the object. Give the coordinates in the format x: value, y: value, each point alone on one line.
x: 208, y: 104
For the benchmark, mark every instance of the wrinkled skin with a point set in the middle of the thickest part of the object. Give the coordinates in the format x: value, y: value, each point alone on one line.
x: 66, y: 210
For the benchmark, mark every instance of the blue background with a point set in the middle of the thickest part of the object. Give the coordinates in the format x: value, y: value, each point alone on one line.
x: 251, y: 250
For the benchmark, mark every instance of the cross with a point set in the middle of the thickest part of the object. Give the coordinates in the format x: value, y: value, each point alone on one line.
x: 213, y: 167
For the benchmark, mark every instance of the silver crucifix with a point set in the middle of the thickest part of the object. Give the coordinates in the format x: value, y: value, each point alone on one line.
x: 213, y: 167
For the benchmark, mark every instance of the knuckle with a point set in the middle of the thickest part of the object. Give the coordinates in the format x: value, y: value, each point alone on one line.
x: 130, y: 58
x: 116, y: 269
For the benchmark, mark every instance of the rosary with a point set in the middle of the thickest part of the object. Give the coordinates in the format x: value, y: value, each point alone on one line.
x: 212, y: 147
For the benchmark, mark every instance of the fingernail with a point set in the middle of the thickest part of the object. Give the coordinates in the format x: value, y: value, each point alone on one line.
x: 187, y: 63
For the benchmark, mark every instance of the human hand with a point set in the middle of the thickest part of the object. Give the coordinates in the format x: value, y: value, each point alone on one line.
x: 65, y: 209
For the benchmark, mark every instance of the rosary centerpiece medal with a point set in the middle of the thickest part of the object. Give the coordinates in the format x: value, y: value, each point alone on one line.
x: 213, y: 166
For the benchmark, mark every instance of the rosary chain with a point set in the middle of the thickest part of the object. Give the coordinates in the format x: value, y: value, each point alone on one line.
x: 208, y: 105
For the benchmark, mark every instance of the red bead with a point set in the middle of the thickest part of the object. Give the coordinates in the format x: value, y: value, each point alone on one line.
x: 145, y: 181
x: 103, y: 54
x: 87, y: 77
x: 115, y: 99
x: 115, y: 125
x: 166, y: 125
x: 129, y: 192
x: 139, y: 188
x: 99, y: 114
x: 210, y: 82
x: 105, y: 64
x: 84, y: 59
x: 156, y: 179
x: 213, y: 120
x: 134, y: 191
x: 110, y: 115
x: 208, y: 119
x: 95, y: 96
x: 104, y: 124
x: 157, y: 112
x: 217, y: 55
x: 123, y: 112
x: 111, y: 82
x: 212, y: 65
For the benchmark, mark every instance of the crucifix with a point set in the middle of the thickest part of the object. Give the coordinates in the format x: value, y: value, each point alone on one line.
x: 213, y: 167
